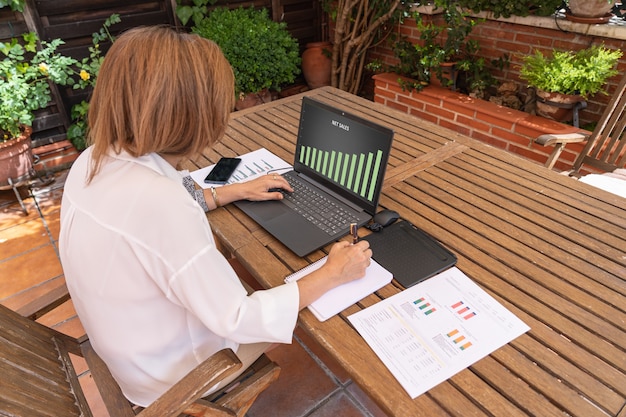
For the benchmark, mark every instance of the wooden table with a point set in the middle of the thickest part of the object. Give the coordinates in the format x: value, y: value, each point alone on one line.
x: 549, y: 248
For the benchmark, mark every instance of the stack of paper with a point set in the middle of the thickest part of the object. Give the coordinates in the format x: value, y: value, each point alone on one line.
x: 431, y: 331
x: 252, y: 165
x: 343, y: 296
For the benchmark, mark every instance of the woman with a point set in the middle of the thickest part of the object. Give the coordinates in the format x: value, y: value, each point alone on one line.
x: 153, y: 292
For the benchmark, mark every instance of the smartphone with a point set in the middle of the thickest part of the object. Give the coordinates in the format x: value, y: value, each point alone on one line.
x: 222, y: 171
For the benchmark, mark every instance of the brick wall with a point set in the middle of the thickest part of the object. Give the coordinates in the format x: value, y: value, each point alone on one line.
x: 505, y: 128
x: 519, y: 37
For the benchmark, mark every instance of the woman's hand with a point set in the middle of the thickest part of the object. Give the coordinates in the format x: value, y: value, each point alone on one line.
x: 345, y: 263
x: 262, y: 188
x: 266, y: 187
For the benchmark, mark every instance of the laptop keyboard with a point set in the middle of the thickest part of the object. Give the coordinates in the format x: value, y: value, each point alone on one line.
x: 316, y: 208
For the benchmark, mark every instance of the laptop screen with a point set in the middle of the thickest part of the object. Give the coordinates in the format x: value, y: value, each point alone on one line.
x: 346, y: 153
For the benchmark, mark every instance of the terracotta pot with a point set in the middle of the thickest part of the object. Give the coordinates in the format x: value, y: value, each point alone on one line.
x: 16, y: 159
x: 449, y: 74
x: 589, y: 11
x: 317, y: 64
x: 556, y: 106
x: 428, y: 9
x: 253, y: 99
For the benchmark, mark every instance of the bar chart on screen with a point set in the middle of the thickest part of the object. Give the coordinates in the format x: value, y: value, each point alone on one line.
x: 358, y: 172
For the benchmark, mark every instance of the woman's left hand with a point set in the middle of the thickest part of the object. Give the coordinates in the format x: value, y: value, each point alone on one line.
x: 266, y: 187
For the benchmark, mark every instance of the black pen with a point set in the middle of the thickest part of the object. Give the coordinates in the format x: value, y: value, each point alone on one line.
x: 355, y: 237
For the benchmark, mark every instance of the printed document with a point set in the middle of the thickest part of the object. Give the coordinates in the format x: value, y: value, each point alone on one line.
x: 252, y: 165
x: 433, y: 330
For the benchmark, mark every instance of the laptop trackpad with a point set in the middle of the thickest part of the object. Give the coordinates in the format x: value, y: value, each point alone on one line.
x: 269, y: 210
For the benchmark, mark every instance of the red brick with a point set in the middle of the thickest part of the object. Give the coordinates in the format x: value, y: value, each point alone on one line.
x: 474, y: 123
x: 484, y: 137
x: 385, y: 93
x: 424, y: 115
x: 378, y: 99
x: 412, y: 103
x: 504, y: 134
x: 534, y: 126
x: 527, y: 153
x: 397, y: 106
x: 453, y: 126
x: 497, y: 121
x: 440, y: 112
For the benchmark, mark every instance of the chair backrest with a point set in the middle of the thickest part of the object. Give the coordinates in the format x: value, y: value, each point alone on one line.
x: 37, y: 374
x: 606, y: 147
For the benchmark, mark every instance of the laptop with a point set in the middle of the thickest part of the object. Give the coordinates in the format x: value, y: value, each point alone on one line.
x: 339, y: 158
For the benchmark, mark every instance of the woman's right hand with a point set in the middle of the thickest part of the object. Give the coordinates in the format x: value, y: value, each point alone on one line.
x: 346, y: 262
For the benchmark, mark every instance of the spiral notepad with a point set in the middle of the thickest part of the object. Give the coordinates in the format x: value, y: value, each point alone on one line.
x: 343, y: 296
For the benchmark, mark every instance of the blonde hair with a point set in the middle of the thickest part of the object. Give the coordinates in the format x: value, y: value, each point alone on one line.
x: 159, y: 91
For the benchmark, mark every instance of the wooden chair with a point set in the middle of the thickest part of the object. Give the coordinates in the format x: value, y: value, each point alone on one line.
x: 38, y: 378
x: 606, y: 146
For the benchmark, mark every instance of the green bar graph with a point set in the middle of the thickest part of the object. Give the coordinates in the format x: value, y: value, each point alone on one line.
x: 357, y: 172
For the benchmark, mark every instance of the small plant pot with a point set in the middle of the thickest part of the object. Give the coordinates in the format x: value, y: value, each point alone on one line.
x: 16, y: 160
x: 589, y: 11
x: 557, y: 106
x: 449, y: 76
x: 317, y: 64
x: 427, y: 9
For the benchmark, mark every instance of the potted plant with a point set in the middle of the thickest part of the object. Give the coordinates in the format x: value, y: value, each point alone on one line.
x: 566, y: 77
x: 25, y: 75
x: 263, y: 54
x: 445, y: 48
x: 442, y: 53
x: 589, y: 11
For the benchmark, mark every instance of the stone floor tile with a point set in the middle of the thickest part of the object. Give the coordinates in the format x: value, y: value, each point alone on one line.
x: 329, y: 361
x: 364, y: 400
x: 11, y: 213
x: 28, y: 269
x: 49, y: 202
x: 339, y: 405
x: 22, y: 237
x: 301, y: 387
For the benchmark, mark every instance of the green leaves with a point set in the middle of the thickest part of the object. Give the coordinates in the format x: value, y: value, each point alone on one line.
x: 584, y: 72
x: 262, y: 52
x: 196, y: 13
x: 25, y: 73
x: 15, y: 5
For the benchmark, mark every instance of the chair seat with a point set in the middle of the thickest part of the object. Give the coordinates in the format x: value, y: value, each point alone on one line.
x: 613, y: 182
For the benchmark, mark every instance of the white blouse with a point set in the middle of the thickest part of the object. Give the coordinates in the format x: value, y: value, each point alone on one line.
x: 153, y: 292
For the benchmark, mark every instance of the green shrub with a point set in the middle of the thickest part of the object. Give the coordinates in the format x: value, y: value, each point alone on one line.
x: 584, y: 72
x: 262, y: 53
